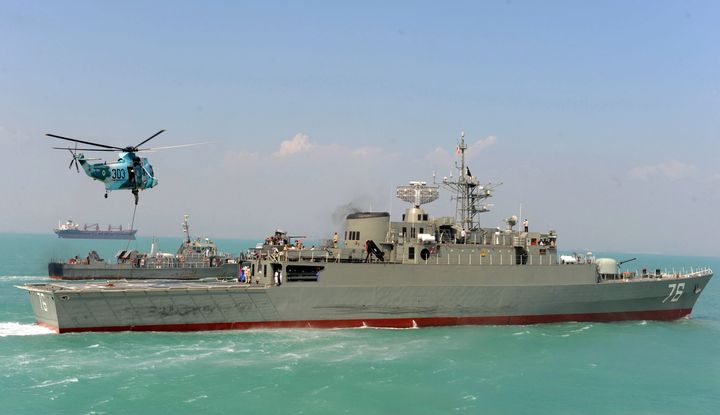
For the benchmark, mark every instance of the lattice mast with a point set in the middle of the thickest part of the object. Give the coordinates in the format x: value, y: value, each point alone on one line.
x: 467, y: 193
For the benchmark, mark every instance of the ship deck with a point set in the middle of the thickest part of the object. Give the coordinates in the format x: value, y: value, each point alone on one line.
x: 139, y: 285
x: 185, y: 285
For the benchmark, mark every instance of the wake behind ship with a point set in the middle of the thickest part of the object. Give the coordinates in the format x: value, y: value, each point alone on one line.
x: 416, y: 272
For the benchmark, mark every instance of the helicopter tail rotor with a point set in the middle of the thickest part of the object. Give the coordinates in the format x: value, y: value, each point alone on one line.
x: 74, y: 159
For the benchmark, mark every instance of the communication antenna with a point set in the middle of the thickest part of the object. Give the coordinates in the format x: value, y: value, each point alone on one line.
x: 186, y: 228
x: 468, y: 193
x: 418, y: 193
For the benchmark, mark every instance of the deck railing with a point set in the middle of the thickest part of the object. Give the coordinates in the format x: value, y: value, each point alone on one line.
x: 448, y: 258
x: 680, y: 272
x: 474, y: 258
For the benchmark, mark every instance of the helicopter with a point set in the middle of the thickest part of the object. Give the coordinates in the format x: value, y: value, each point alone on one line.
x: 128, y: 172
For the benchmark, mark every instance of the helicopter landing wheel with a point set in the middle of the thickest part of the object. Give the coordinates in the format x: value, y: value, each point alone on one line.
x: 105, y: 195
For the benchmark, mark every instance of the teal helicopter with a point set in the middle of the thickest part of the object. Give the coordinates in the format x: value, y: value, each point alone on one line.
x: 129, y: 172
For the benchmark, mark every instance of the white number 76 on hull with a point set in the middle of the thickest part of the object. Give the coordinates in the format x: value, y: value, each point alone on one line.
x: 676, y: 290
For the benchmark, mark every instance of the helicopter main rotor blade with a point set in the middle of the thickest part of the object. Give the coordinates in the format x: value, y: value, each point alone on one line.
x: 176, y: 146
x: 83, y: 142
x: 151, y: 137
x: 84, y: 149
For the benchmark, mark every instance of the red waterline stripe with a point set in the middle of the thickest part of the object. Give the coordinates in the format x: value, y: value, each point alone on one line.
x: 395, y: 322
x: 47, y: 326
x: 112, y: 277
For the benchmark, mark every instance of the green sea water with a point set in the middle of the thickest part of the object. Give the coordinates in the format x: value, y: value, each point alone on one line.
x: 641, y: 367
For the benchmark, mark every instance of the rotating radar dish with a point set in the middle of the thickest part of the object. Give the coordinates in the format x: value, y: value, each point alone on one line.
x: 417, y: 193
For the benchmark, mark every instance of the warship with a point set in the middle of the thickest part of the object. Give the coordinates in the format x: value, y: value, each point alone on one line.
x: 194, y: 259
x: 72, y: 230
x: 419, y: 271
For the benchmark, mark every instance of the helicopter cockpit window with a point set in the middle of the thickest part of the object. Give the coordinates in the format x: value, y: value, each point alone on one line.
x: 148, y: 167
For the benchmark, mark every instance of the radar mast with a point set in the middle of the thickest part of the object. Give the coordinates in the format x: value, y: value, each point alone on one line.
x: 468, y: 193
x: 417, y: 194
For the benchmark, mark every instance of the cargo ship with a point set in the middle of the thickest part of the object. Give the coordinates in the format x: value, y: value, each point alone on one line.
x: 194, y: 259
x: 418, y: 271
x: 72, y: 230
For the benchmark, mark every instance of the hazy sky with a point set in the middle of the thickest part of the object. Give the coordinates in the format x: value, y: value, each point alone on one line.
x: 601, y: 118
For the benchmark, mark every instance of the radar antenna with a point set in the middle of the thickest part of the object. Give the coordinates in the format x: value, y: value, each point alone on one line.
x: 468, y: 192
x: 418, y: 193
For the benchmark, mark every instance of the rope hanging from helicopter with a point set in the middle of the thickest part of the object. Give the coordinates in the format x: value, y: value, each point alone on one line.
x: 132, y: 226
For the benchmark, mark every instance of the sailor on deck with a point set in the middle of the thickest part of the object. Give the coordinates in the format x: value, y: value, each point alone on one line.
x: 278, y: 277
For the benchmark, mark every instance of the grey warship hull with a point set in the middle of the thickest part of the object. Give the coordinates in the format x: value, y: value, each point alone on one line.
x: 372, y: 295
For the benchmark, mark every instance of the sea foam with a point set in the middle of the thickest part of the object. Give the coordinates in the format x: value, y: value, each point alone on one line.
x: 19, y: 329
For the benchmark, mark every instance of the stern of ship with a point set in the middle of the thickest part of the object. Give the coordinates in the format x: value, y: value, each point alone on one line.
x: 42, y: 300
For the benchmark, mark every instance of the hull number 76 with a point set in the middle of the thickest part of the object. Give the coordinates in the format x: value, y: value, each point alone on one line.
x: 676, y: 290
